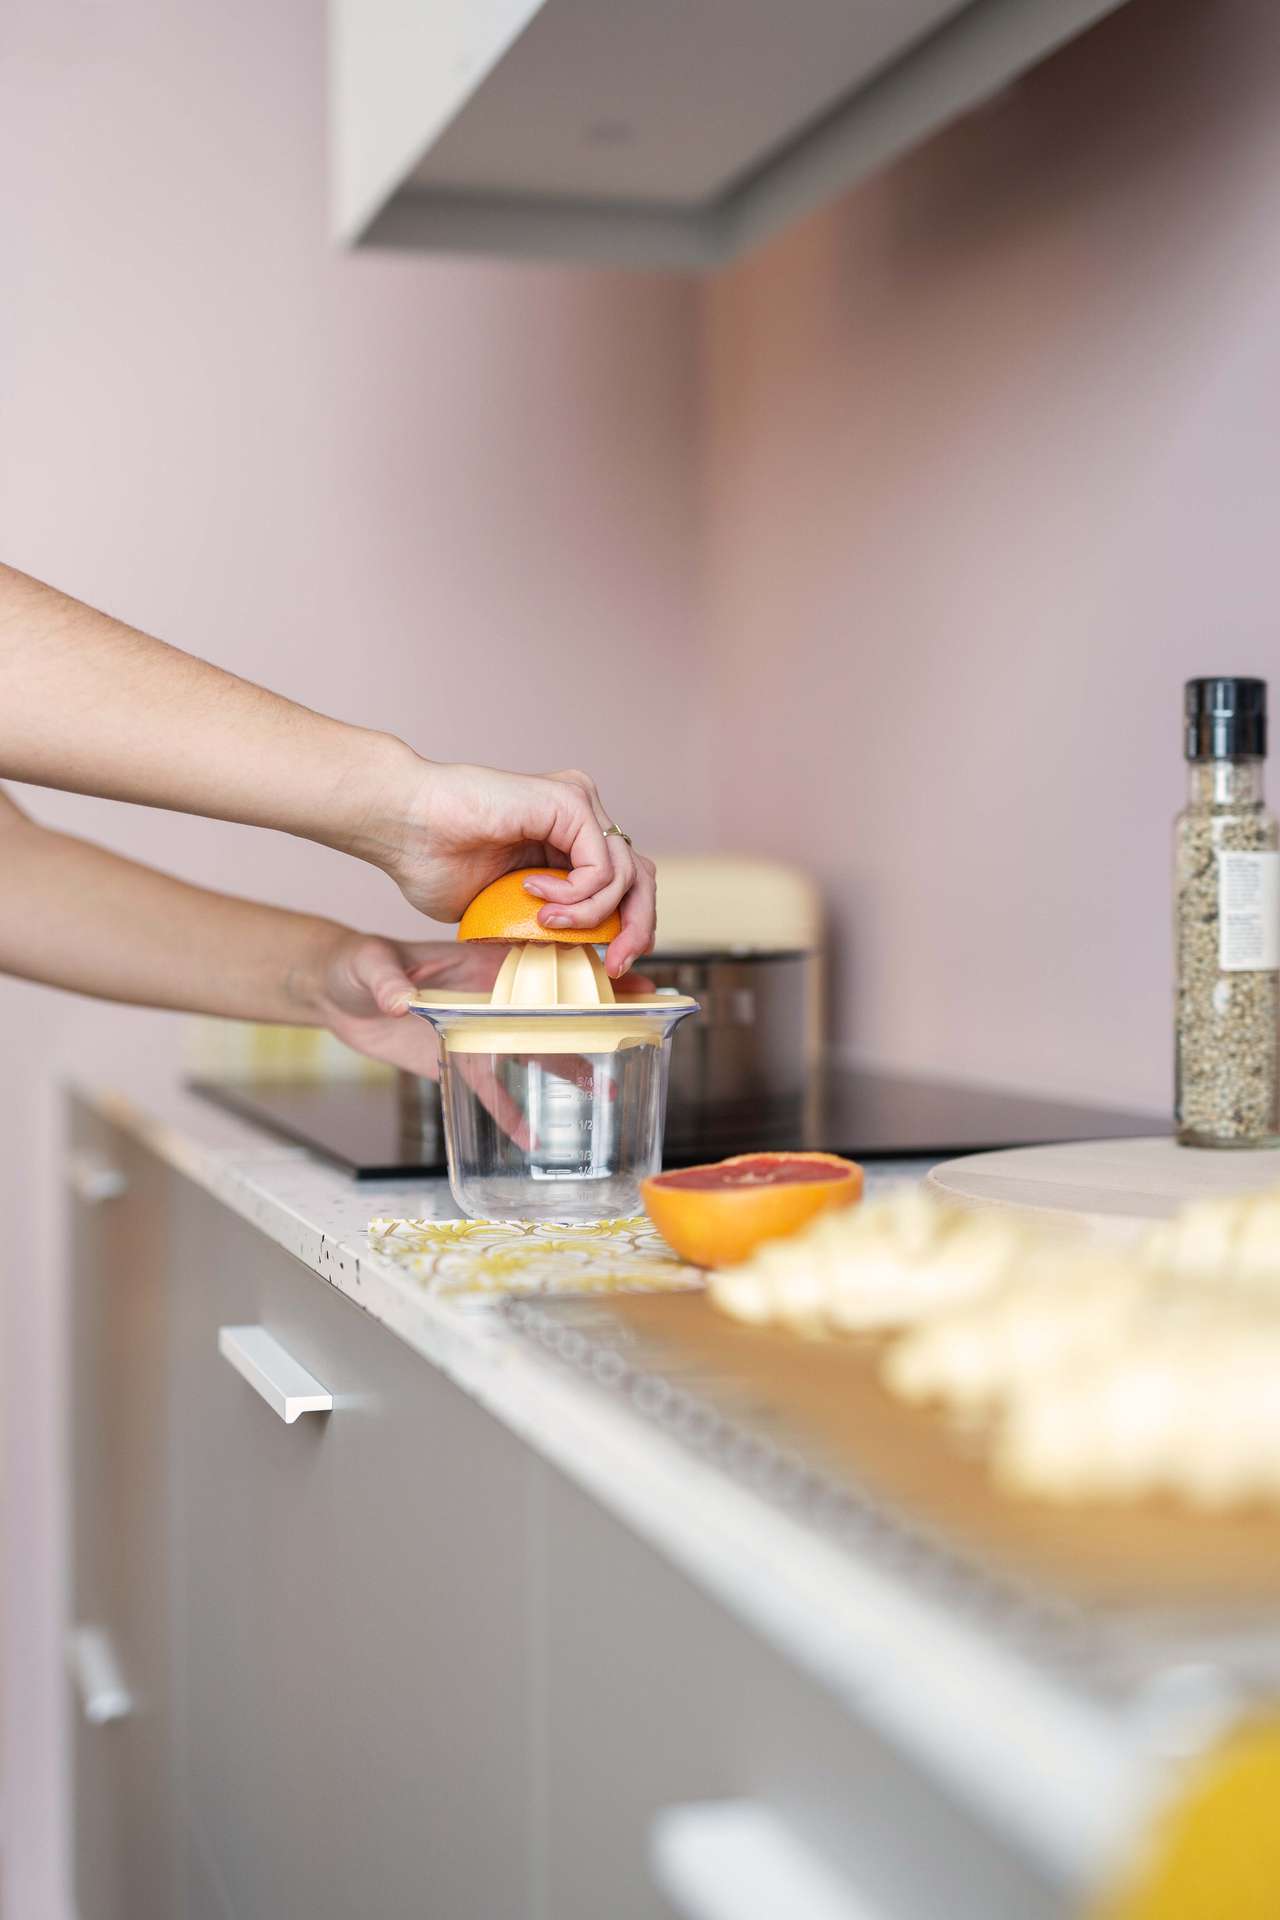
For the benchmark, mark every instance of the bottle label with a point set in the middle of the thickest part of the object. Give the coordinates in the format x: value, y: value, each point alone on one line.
x: 1249, y: 912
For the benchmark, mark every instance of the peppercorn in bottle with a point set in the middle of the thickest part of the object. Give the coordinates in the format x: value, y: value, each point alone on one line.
x: 1227, y: 925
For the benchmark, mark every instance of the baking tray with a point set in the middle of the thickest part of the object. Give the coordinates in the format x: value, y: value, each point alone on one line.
x: 1106, y: 1589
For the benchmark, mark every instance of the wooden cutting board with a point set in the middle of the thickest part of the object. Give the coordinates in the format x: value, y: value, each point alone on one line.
x: 1113, y: 1186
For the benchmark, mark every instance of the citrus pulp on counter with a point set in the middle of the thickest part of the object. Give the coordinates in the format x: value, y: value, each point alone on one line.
x: 504, y: 911
x: 718, y: 1214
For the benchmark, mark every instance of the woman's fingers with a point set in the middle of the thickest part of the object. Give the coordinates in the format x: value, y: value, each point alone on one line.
x: 478, y: 1071
x: 377, y: 969
x: 389, y: 973
x: 470, y: 965
x: 599, y: 905
x: 639, y: 920
x: 409, y: 1044
x: 576, y: 830
x: 570, y: 902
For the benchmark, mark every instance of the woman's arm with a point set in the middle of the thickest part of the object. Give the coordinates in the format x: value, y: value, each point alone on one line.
x: 73, y: 915
x: 93, y: 706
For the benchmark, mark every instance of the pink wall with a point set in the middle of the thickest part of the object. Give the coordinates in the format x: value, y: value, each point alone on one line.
x: 991, y: 467
x: 450, y: 499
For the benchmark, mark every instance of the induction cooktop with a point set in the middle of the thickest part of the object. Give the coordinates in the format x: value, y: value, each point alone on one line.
x: 367, y: 1129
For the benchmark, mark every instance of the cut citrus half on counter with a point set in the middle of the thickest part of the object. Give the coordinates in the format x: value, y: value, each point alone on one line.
x: 719, y: 1214
x: 504, y: 911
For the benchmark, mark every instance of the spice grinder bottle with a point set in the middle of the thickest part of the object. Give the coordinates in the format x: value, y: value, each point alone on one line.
x: 1227, y: 925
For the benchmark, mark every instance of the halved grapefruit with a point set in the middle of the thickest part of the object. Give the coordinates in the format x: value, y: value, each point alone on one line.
x: 716, y: 1215
x: 504, y: 911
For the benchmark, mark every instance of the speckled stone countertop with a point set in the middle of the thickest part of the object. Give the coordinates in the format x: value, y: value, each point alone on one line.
x: 1079, y: 1774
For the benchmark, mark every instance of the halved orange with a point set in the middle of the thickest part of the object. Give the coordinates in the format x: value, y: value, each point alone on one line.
x: 716, y: 1215
x: 504, y: 911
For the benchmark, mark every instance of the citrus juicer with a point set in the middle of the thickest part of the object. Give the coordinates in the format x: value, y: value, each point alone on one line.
x: 553, y: 1088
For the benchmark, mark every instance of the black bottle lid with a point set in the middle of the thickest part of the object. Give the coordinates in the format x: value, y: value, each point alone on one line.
x: 1226, y: 719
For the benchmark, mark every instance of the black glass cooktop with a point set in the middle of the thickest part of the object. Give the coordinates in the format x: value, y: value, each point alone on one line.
x: 372, y: 1133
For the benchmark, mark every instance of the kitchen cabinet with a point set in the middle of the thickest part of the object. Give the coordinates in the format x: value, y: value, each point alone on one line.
x: 351, y: 1604
x: 392, y: 1659
x: 658, y: 1701
x: 257, y: 1631
x: 321, y: 1626
x: 120, y: 1697
x: 672, y: 134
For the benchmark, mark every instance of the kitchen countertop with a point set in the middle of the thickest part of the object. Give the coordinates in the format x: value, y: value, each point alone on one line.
x: 1064, y: 1772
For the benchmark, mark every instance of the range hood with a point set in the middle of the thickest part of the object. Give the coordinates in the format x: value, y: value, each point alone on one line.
x: 671, y: 133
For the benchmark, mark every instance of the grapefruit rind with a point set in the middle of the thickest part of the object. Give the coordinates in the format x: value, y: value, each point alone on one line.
x: 721, y: 1226
x: 504, y: 911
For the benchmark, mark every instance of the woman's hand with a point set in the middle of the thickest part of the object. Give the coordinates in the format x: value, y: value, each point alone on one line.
x: 364, y: 986
x: 450, y: 830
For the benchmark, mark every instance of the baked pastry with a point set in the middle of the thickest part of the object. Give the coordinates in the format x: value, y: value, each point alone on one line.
x: 1189, y: 1408
x: 1233, y: 1242
x: 889, y: 1263
x: 1059, y: 1306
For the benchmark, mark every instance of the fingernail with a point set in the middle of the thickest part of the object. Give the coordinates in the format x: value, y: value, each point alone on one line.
x: 534, y: 887
x: 555, y: 920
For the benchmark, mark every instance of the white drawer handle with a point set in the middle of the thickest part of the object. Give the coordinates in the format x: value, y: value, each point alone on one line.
x: 96, y: 1671
x: 287, y: 1388
x: 93, y: 1177
x: 737, y: 1860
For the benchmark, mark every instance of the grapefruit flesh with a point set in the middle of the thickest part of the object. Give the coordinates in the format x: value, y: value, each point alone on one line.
x: 717, y: 1215
x: 755, y: 1170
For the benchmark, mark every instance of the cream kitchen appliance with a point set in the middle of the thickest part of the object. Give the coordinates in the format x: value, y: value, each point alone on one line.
x: 744, y: 938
